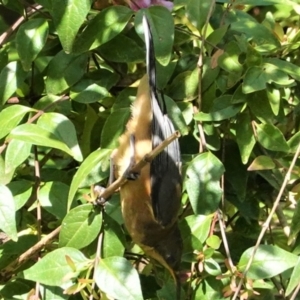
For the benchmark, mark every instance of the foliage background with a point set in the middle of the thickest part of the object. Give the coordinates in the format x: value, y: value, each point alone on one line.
x: 230, y: 74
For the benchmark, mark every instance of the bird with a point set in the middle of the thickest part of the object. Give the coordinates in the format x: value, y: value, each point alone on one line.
x: 151, y: 200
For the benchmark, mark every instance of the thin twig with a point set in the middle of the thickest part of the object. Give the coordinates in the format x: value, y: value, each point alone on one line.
x: 202, y: 145
x: 38, y: 207
x: 106, y: 193
x: 96, y: 262
x: 225, y: 242
x: 4, y: 36
x: 296, y: 291
x: 30, y: 252
x: 268, y: 221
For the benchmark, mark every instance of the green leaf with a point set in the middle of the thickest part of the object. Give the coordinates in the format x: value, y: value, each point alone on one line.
x: 214, y: 241
x: 260, y: 107
x: 294, y: 279
x: 212, y: 267
x: 259, y: 34
x: 7, y: 213
x: 68, y: 16
x: 88, y: 91
x: 11, y: 116
x: 88, y: 164
x: 285, y: 66
x: 293, y: 142
x: 295, y: 225
x: 113, y: 243
x: 114, y: 127
x: 114, y: 50
x: 268, y: 262
x: 80, y: 227
x: 117, y: 278
x: 16, y: 153
x: 162, y: 29
x: 197, y: 11
x: 175, y: 115
x: 274, y: 99
x: 254, y: 80
x: 203, y: 183
x: 214, y: 116
x: 21, y: 191
x: 53, y: 197
x: 64, y: 71
x: 36, y: 135
x: 63, y: 129
x: 102, y: 28
x: 195, y: 230
x: 53, y: 269
x: 271, y: 138
x: 229, y: 60
x: 262, y: 162
x: 244, y: 136
x: 30, y: 40
x: 184, y: 86
x: 11, y: 77
x: 5, y: 178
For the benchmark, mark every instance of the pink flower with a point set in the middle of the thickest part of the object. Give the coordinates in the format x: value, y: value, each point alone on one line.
x: 138, y: 4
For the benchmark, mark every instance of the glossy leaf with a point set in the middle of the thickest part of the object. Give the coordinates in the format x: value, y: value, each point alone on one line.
x: 11, y: 77
x: 53, y: 197
x: 255, y: 80
x: 114, y: 50
x: 68, y: 16
x: 11, y: 116
x: 16, y: 153
x: 294, y: 280
x: 268, y: 262
x: 203, y: 183
x: 271, y: 138
x: 212, y: 267
x: 197, y: 11
x: 244, y: 135
x: 5, y: 177
x: 229, y: 60
x: 64, y: 71
x: 30, y: 40
x: 21, y: 191
x: 118, y: 278
x: 80, y: 227
x: 176, y: 115
x: 85, y: 168
x: 114, y: 128
x: 214, y: 241
x: 162, y: 28
x: 293, y: 142
x: 184, y: 86
x: 63, y: 129
x: 53, y: 269
x: 87, y: 91
x: 102, y: 28
x: 295, y: 225
x: 7, y: 213
x: 262, y: 162
x: 36, y: 135
x: 195, y: 230
x: 113, y: 243
x: 223, y: 114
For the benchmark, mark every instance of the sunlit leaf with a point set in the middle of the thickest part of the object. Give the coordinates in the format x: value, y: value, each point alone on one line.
x: 118, y: 278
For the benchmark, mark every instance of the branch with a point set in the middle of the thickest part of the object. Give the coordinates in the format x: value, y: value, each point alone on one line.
x: 104, y: 194
x: 268, y: 221
x: 30, y: 252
